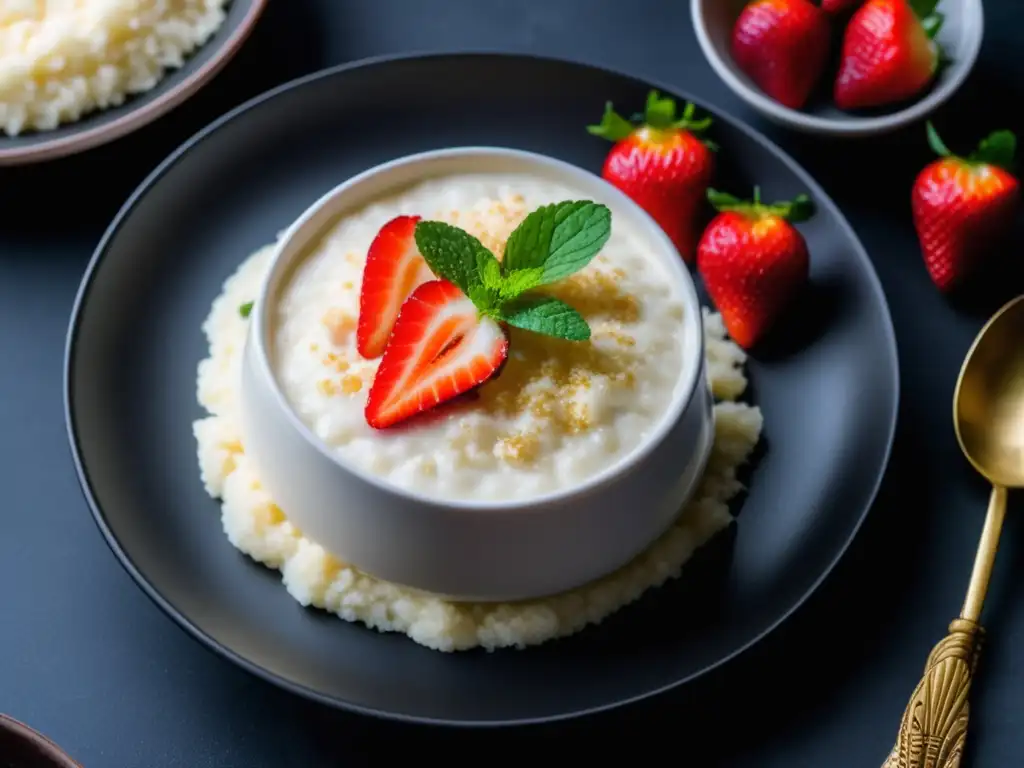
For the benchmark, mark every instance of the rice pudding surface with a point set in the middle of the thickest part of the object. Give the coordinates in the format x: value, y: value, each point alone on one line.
x: 559, y: 412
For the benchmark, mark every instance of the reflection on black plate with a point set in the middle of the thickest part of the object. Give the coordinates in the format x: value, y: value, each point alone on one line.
x: 101, y: 126
x: 828, y: 388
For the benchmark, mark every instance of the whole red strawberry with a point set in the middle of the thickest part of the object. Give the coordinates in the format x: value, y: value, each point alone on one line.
x: 888, y: 54
x: 964, y: 206
x: 783, y: 46
x: 839, y: 6
x: 753, y: 261
x: 662, y: 164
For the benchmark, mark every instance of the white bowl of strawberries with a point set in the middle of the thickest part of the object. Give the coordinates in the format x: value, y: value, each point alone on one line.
x: 841, y: 67
x: 477, y: 372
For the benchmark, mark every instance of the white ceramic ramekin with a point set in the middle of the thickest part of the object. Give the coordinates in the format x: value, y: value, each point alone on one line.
x: 467, y: 550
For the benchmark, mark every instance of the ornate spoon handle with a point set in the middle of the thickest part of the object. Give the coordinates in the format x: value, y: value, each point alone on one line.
x: 934, y: 724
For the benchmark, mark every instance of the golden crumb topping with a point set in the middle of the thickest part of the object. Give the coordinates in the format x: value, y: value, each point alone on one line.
x: 546, y: 378
x: 339, y: 324
x: 351, y: 384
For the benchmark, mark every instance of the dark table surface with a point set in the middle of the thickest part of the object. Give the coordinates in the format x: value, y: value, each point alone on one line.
x: 86, y: 658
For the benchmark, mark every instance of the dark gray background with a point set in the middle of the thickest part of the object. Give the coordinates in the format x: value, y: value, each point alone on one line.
x: 88, y: 660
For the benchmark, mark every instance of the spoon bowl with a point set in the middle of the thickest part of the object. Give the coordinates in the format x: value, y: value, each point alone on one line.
x: 988, y: 405
x: 988, y: 416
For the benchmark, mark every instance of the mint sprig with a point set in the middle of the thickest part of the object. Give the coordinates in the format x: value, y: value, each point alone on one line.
x: 546, y: 315
x: 550, y: 244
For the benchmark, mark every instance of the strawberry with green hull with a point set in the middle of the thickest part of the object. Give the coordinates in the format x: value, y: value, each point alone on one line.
x: 753, y: 261
x: 662, y: 164
x: 889, y: 54
x: 394, y: 268
x: 964, y: 206
x: 783, y: 46
x: 449, y: 337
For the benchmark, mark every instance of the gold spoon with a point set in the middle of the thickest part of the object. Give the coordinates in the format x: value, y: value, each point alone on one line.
x: 988, y: 416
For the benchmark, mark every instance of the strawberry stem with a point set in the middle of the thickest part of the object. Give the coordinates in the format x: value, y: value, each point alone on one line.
x: 935, y: 141
x: 999, y: 148
x: 659, y: 113
x: 800, y: 208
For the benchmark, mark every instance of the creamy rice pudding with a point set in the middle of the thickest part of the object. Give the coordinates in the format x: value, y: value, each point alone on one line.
x: 559, y: 412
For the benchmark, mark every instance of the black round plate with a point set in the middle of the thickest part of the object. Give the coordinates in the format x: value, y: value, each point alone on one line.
x: 827, y: 383
x: 102, y: 126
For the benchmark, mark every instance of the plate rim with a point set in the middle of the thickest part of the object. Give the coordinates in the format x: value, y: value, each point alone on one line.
x: 211, y: 644
x: 134, y: 119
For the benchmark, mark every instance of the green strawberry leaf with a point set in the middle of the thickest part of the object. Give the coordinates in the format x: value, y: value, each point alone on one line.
x: 688, y: 123
x: 923, y: 8
x: 800, y: 208
x: 999, y: 149
x: 546, y: 315
x: 660, y: 112
x: 245, y: 309
x: 723, y: 201
x: 560, y: 239
x: 932, y: 24
x: 613, y: 126
x: 455, y: 255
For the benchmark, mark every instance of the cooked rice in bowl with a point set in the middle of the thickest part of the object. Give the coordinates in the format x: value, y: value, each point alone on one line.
x: 256, y: 526
x: 62, y: 59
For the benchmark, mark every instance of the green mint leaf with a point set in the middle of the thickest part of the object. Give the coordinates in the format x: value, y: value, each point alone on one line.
x: 560, y: 238
x: 577, y: 237
x: 455, y: 255
x: 548, y: 316
x: 529, y: 244
x: 484, y: 299
x: 519, y: 282
x: 490, y: 271
x: 245, y: 309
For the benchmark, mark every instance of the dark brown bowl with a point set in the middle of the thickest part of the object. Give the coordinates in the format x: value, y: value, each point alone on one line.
x: 22, y: 747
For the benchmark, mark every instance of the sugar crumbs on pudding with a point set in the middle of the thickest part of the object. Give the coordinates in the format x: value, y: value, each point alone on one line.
x: 255, y: 525
x: 560, y: 410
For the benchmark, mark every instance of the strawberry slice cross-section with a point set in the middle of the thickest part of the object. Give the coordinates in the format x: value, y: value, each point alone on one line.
x: 394, y: 268
x: 440, y: 347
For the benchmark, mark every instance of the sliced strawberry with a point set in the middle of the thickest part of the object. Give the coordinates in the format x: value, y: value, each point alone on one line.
x: 394, y: 268
x: 441, y: 347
